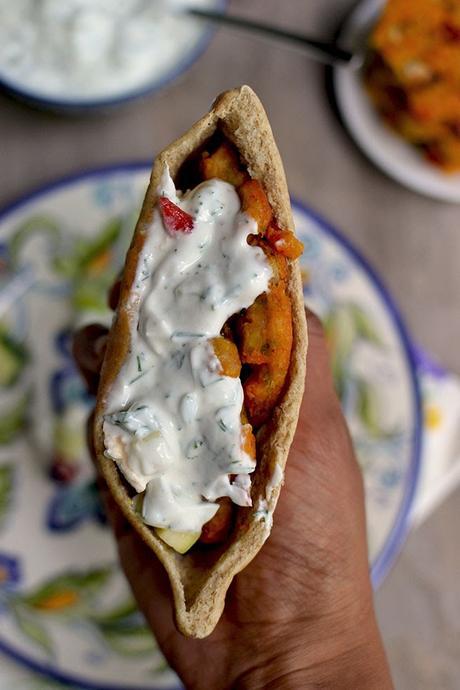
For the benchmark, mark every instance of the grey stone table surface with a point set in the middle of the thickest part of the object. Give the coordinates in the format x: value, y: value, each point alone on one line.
x: 414, y: 242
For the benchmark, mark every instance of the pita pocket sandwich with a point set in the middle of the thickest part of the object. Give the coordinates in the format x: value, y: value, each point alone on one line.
x: 204, y: 371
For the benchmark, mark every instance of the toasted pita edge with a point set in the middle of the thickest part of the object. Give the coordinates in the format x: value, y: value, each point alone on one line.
x: 199, y: 592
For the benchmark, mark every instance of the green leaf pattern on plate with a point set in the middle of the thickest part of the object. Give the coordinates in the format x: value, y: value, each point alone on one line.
x: 346, y: 324
x: 13, y: 358
x: 368, y: 407
x: 87, y: 264
x: 67, y: 593
x: 73, y: 597
x: 6, y: 490
x: 14, y: 420
x: 41, y: 224
x: 32, y: 628
x: 125, y: 631
x: 90, y: 267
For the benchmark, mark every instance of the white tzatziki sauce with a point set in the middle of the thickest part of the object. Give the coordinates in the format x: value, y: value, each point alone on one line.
x: 173, y: 420
x: 93, y: 49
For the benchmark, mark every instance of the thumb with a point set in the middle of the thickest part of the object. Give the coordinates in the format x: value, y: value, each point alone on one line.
x: 320, y: 394
x: 322, y: 425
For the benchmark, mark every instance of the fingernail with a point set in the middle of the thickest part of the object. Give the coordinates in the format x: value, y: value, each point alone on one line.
x: 99, y: 346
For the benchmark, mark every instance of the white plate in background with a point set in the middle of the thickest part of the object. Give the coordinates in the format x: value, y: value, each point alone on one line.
x: 389, y: 151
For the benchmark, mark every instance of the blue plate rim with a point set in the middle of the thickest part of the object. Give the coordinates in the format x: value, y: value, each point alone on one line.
x: 400, y: 528
x: 12, y: 87
x: 397, y: 535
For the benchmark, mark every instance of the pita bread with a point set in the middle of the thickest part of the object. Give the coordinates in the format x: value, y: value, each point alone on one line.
x: 200, y: 578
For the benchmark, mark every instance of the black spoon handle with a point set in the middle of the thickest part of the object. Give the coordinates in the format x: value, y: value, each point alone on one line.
x: 324, y: 51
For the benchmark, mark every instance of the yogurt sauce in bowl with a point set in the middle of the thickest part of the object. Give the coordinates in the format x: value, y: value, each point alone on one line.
x: 95, y: 52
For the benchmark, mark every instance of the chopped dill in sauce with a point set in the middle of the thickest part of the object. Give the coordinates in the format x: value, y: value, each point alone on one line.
x: 174, y: 420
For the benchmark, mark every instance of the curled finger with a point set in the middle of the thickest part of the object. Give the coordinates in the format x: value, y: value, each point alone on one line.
x: 88, y: 349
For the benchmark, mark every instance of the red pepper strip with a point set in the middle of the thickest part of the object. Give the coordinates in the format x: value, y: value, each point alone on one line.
x: 174, y: 218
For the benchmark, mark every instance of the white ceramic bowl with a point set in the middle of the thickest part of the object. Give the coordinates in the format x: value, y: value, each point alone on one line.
x: 193, y: 37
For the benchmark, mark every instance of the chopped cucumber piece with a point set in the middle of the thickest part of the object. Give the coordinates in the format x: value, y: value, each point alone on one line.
x: 137, y: 503
x: 179, y: 541
x: 12, y: 359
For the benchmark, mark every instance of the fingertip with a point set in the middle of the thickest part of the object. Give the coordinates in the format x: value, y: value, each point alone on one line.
x: 319, y: 389
x: 88, y: 349
x: 114, y: 294
x: 318, y: 347
x: 314, y: 324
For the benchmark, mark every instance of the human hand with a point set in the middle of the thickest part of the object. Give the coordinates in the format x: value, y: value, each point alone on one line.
x: 301, y: 614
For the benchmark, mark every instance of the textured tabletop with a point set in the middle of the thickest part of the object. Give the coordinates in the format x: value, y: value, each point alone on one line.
x: 412, y: 241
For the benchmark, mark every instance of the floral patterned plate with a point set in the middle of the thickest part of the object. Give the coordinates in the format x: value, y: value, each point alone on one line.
x: 65, y: 609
